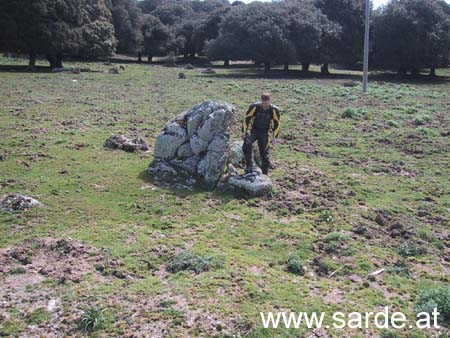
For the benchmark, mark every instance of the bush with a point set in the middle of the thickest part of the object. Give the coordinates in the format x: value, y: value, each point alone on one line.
x: 435, y: 298
x: 295, y: 265
x: 187, y: 261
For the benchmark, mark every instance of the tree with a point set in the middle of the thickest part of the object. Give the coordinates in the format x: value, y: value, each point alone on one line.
x: 252, y: 32
x: 81, y: 27
x: 171, y: 13
x: 127, y: 19
x: 158, y: 39
x: 412, y: 34
x: 346, y: 45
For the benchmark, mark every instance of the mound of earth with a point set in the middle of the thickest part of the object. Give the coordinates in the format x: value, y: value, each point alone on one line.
x: 120, y: 141
x: 13, y: 202
x: 191, y: 149
x: 60, y: 259
x: 302, y: 189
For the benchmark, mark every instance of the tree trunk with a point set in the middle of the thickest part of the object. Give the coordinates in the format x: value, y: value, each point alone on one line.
x: 266, y: 66
x: 305, y: 67
x: 286, y: 66
x: 433, y: 72
x: 59, y: 60
x: 324, y: 69
x: 149, y: 58
x: 32, y: 59
x: 226, y: 63
x: 55, y: 60
x: 139, y: 57
x: 401, y: 71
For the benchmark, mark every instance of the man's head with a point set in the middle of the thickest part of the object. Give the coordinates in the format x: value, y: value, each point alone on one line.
x: 265, y: 100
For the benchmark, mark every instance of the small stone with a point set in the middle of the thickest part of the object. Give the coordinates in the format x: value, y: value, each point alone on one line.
x: 380, y: 219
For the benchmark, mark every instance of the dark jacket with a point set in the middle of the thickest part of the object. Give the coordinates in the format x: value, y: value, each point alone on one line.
x: 258, y: 118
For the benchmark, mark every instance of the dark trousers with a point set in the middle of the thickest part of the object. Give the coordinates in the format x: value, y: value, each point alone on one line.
x: 262, y: 136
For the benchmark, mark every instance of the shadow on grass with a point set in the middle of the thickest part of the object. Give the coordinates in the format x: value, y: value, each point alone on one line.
x: 257, y: 73
x: 179, y: 191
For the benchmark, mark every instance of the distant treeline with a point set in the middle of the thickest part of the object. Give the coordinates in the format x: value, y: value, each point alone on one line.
x: 406, y: 35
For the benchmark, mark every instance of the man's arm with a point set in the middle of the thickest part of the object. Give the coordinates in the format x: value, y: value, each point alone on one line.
x: 276, y: 122
x: 248, y: 117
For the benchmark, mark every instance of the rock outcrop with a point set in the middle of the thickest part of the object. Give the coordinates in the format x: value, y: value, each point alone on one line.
x: 13, y: 202
x: 192, y: 147
x: 120, y: 141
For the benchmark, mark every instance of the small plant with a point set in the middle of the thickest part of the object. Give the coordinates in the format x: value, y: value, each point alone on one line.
x: 92, y: 320
x: 393, y: 123
x: 187, y: 261
x: 295, y: 265
x: 327, y: 216
x: 421, y: 119
x: 350, y: 113
x: 402, y: 269
x: 388, y: 334
x: 336, y: 237
x: 409, y: 249
x: 435, y: 298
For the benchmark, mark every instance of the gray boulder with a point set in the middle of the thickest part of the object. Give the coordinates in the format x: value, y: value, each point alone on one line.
x: 191, y: 149
x: 120, y: 141
x: 13, y: 202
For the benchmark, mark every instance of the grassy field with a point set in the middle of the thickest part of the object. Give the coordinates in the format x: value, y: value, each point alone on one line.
x: 361, y: 184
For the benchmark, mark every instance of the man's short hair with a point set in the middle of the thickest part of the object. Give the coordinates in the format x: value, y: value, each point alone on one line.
x: 265, y: 97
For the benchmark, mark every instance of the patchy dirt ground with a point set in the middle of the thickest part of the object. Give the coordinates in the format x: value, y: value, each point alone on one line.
x: 352, y: 196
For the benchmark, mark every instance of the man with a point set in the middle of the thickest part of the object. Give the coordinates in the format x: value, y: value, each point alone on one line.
x: 261, y: 119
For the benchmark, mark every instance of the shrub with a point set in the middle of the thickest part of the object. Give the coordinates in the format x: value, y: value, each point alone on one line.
x: 435, y: 298
x: 295, y: 265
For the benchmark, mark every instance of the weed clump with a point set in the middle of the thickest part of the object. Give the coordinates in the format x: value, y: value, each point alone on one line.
x: 92, y: 320
x: 435, y: 298
x: 426, y: 131
x: 187, y: 261
x: 409, y: 249
x: 295, y: 265
x: 393, y: 123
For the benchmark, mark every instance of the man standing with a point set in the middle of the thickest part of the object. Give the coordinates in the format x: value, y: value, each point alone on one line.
x: 260, y: 120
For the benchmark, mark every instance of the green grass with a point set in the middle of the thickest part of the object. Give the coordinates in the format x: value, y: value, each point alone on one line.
x: 376, y: 158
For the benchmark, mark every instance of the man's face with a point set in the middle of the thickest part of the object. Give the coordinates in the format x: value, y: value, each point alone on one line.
x: 265, y: 103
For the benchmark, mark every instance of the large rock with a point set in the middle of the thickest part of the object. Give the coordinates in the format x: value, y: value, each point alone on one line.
x: 120, y: 141
x: 13, y: 202
x: 192, y: 147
